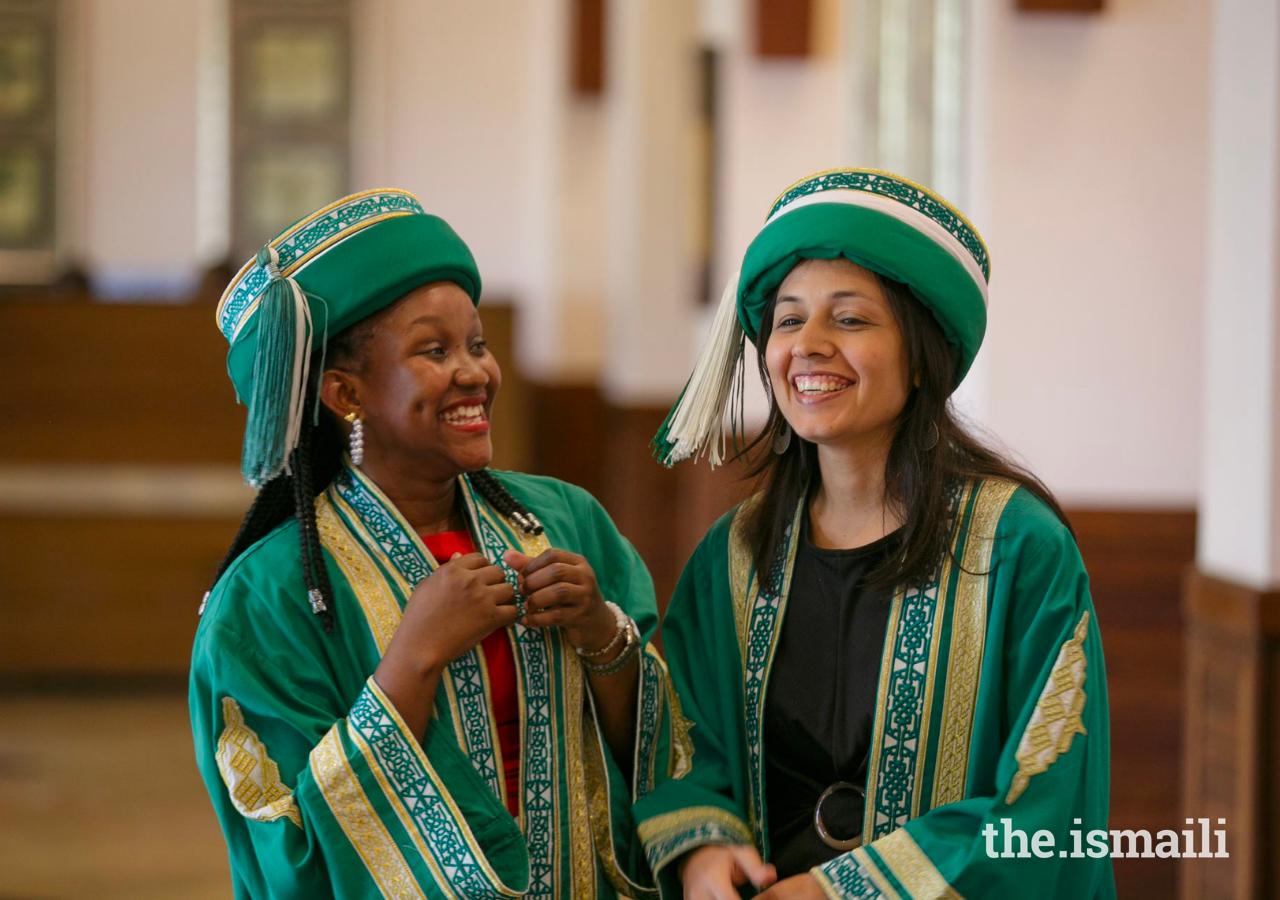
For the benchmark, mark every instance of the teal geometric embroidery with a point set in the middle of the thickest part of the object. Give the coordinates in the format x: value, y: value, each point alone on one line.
x: 904, y: 715
x: 760, y: 639
x: 849, y: 877
x: 886, y: 186
x: 385, y: 527
x: 473, y: 707
x: 422, y: 797
x: 413, y: 566
x: 537, y: 758
x: 535, y: 647
x: 345, y: 218
x: 652, y: 689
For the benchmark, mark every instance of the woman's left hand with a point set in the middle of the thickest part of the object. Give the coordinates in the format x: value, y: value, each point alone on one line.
x: 797, y: 887
x: 560, y: 589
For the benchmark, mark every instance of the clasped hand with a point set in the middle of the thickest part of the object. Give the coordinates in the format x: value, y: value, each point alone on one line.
x: 468, y: 597
x: 560, y: 589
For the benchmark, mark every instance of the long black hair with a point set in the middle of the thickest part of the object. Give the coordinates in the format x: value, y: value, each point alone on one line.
x: 315, y: 463
x: 932, y: 452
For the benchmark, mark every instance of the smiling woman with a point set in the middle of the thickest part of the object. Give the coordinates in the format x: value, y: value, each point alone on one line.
x: 414, y: 676
x: 892, y: 644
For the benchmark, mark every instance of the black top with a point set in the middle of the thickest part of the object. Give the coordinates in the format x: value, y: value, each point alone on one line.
x: 821, y: 699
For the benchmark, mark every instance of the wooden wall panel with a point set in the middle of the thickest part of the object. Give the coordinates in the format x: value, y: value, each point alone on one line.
x: 144, y: 387
x: 1136, y: 561
x: 126, y: 383
x: 102, y: 596
x: 1232, y: 736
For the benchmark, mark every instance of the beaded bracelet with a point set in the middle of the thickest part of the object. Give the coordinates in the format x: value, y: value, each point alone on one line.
x: 631, y: 650
x: 621, y: 619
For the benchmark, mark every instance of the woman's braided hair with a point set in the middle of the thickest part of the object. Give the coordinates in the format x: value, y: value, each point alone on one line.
x: 313, y: 465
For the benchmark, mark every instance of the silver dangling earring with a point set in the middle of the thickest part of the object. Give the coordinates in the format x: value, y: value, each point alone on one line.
x: 357, y: 437
x: 782, y: 440
x: 931, y: 440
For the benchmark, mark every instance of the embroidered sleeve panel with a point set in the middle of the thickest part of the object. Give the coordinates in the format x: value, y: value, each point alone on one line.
x: 251, y: 775
x: 599, y: 805
x: 648, y: 720
x: 682, y: 749
x: 901, y: 857
x: 667, y: 836
x: 354, y: 813
x: 421, y: 800
x: 1058, y: 716
x: 852, y: 876
x: 892, y: 868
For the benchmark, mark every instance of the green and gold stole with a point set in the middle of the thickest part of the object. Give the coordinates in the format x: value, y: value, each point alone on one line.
x: 567, y: 795
x: 928, y: 674
x: 384, y: 559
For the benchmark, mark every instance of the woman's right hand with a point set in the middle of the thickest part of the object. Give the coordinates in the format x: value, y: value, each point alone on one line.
x: 713, y: 872
x: 450, y: 612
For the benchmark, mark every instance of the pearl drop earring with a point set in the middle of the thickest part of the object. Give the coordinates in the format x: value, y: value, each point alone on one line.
x: 357, y: 437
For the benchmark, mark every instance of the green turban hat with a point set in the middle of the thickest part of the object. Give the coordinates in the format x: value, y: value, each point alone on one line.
x: 324, y: 273
x: 876, y: 219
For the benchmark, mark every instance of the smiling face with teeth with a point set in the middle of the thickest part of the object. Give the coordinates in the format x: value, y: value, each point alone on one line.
x: 835, y: 355
x: 423, y: 384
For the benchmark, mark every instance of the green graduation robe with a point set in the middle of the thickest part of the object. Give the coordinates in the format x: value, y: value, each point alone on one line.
x: 320, y: 789
x: 992, y: 705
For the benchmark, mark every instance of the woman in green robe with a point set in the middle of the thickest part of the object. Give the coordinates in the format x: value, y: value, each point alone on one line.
x: 414, y: 677
x: 889, y: 654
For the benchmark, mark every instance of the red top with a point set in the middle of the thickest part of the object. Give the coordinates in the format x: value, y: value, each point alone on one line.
x: 501, y: 663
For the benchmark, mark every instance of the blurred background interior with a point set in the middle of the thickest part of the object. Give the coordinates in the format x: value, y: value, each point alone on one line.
x: 608, y: 161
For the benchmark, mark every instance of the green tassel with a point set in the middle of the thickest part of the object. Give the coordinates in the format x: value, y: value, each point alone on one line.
x: 269, y: 433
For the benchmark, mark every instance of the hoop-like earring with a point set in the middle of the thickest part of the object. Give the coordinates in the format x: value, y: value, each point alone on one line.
x: 357, y: 437
x: 782, y: 440
x: 931, y: 439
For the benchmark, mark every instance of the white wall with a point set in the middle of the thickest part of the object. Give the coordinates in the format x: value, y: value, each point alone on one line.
x: 1092, y: 196
x: 443, y: 86
x: 1239, y: 533
x: 781, y: 120
x: 140, y: 143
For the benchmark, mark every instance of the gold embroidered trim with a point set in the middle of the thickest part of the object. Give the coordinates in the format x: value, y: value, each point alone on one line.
x: 669, y: 824
x: 740, y: 571
x: 682, y: 749
x: 583, y: 868
x: 914, y: 870
x: 600, y: 811
x: 370, y: 545
x: 401, y: 812
x: 1057, y: 718
x: 252, y: 777
x: 876, y: 877
x: 350, y: 806
x: 968, y: 640
x: 381, y: 609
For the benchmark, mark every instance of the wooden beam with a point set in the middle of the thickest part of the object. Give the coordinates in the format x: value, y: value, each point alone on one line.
x: 1073, y: 6
x: 784, y: 28
x: 588, y: 47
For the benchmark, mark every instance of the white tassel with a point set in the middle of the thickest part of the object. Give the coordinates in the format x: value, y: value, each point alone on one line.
x: 696, y: 425
x: 301, y: 367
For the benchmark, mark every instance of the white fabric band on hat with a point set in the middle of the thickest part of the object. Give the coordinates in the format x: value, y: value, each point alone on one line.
x: 903, y: 213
